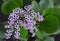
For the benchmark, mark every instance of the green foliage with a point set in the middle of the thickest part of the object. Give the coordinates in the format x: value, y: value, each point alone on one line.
x: 49, y: 25
x: 23, y: 39
x: 8, y: 6
x: 44, y: 4
x: 5, y: 0
x: 36, y: 6
x: 39, y: 35
x: 23, y: 32
x: 2, y: 34
x: 27, y: 2
x: 2, y: 30
x: 46, y: 39
x: 57, y: 32
x: 19, y: 2
x: 58, y: 6
x: 37, y: 40
x: 56, y: 2
x: 52, y: 11
x: 49, y: 39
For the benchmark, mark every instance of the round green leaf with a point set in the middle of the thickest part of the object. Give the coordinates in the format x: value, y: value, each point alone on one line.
x: 19, y: 2
x: 8, y: 6
x: 36, y: 6
x: 49, y: 25
x: 52, y: 11
x: 23, y: 32
x: 57, y: 32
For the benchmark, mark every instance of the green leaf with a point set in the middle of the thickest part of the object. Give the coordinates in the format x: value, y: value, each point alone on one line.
x: 56, y: 2
x: 57, y: 32
x: 2, y: 30
x: 57, y: 6
x: 40, y: 35
x: 26, y: 2
x: 2, y: 26
x: 23, y: 32
x: 8, y: 6
x: 49, y: 25
x: 37, y: 40
x: 49, y: 39
x: 23, y: 39
x: 2, y: 34
x: 5, y: 0
x: 52, y: 11
x: 36, y: 6
x: 44, y: 4
x: 20, y: 2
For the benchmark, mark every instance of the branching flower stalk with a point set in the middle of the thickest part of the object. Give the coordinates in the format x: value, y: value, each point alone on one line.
x: 24, y: 17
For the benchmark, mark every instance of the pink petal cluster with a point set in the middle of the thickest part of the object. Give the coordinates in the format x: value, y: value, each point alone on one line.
x: 24, y: 17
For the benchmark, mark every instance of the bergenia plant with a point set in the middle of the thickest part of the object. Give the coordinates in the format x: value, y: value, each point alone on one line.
x: 30, y: 20
x: 24, y: 17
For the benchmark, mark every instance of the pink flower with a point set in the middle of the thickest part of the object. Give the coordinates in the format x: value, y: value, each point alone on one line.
x: 24, y: 17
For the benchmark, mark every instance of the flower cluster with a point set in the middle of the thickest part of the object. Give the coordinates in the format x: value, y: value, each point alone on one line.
x: 24, y: 17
